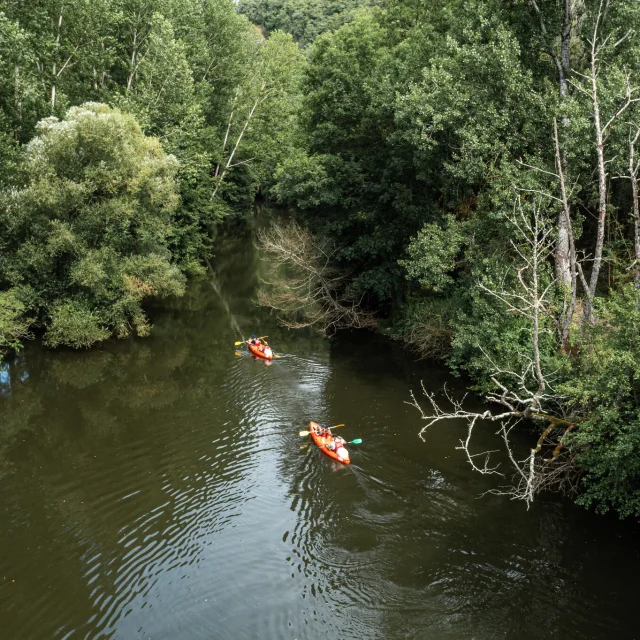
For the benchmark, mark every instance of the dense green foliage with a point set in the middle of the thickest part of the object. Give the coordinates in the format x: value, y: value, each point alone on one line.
x: 103, y: 206
x: 304, y: 19
x: 87, y: 239
x: 421, y: 126
x: 607, y: 392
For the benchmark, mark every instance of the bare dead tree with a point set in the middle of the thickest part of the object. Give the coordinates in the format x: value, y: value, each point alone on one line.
x: 634, y: 170
x: 429, y: 339
x: 562, y: 61
x: 521, y: 394
x: 570, y: 288
x: 602, y: 129
x: 303, y: 286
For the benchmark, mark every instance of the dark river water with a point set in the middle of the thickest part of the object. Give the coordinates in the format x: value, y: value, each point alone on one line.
x: 156, y: 489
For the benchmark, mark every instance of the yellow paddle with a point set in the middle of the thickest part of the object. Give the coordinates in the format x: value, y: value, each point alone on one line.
x: 356, y: 441
x: 303, y: 434
x: 243, y: 341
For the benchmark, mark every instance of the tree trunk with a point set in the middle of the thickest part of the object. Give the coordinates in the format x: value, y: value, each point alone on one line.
x: 17, y: 96
x: 563, y: 261
x: 563, y: 67
x: 132, y: 68
x: 636, y: 224
x: 54, y: 74
x: 602, y: 188
x: 261, y: 98
x: 633, y: 174
x: 567, y: 313
x: 565, y: 49
x: 564, y: 264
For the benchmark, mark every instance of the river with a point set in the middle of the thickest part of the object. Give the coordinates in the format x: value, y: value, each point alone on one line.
x: 156, y: 488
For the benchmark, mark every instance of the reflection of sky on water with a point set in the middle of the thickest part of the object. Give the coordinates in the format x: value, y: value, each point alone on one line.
x: 5, y: 377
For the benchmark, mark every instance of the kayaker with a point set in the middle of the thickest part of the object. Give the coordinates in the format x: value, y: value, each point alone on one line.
x: 336, y: 443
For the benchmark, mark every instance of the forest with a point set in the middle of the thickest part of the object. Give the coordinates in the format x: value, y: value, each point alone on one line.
x: 462, y: 176
x: 129, y: 130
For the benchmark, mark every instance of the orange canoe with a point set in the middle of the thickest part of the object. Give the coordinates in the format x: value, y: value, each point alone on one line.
x: 323, y: 441
x: 264, y: 352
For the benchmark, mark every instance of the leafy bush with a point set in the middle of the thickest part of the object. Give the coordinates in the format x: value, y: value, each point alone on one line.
x: 89, y: 233
x: 605, y: 391
x: 14, y: 324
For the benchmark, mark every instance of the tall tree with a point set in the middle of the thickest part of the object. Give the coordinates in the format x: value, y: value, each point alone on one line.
x: 87, y: 238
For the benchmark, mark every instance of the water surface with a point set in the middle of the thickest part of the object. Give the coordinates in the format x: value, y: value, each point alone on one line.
x: 156, y: 489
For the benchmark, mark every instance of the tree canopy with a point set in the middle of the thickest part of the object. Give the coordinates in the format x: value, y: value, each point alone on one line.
x: 304, y: 19
x: 128, y: 130
x: 87, y: 239
x: 475, y: 165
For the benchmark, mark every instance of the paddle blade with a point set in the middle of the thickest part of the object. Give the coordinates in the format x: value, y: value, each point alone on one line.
x: 238, y: 354
x: 302, y: 434
x: 356, y: 441
x: 304, y: 446
x: 237, y: 344
x: 335, y: 426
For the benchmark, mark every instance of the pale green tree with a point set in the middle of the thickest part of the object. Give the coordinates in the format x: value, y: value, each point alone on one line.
x: 86, y: 240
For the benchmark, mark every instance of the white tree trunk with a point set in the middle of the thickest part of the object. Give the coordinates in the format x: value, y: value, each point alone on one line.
x: 563, y: 66
x: 133, y: 66
x: 633, y: 175
x: 259, y: 100
x: 54, y: 67
x: 17, y: 96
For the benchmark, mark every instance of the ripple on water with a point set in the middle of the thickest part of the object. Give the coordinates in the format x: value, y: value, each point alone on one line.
x: 191, y: 512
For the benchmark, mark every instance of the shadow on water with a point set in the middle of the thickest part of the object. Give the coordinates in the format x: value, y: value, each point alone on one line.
x: 409, y: 549
x: 156, y: 488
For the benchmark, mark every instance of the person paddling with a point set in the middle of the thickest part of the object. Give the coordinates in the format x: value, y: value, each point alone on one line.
x: 325, y: 431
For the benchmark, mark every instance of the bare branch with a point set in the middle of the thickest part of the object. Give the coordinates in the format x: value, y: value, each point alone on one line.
x: 302, y: 284
x: 523, y: 394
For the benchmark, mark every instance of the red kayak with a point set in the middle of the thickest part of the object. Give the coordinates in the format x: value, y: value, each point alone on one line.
x: 321, y: 441
x: 262, y: 351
